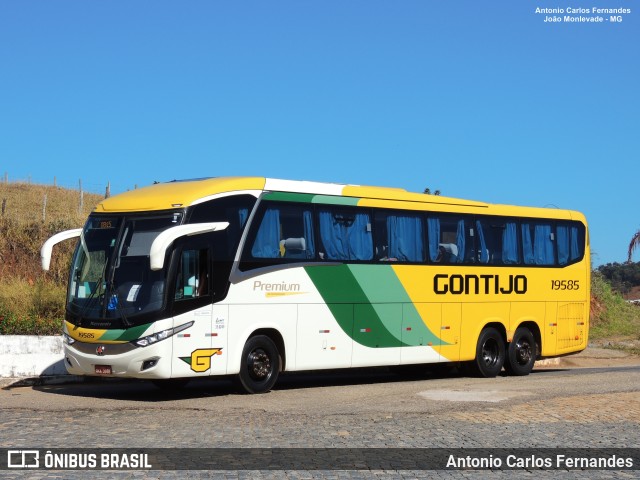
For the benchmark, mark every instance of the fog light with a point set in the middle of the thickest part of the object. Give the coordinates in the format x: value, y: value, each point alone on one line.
x: 147, y: 364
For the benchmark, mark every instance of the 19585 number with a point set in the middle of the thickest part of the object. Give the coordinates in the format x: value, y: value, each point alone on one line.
x: 565, y: 284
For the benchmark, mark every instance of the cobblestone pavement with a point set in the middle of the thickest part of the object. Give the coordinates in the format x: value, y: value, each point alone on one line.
x: 588, y: 408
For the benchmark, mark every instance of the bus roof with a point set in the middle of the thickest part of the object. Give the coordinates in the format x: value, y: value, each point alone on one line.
x: 176, y: 194
x: 183, y: 193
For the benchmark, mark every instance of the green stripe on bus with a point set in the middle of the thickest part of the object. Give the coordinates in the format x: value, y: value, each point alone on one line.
x: 125, y: 335
x: 381, y: 306
x: 334, y: 200
x: 362, y: 322
x: 311, y: 198
x: 289, y: 197
x: 382, y: 286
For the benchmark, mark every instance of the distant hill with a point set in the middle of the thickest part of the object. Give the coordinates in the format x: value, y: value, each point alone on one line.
x: 31, y: 299
x: 29, y: 215
x: 624, y: 278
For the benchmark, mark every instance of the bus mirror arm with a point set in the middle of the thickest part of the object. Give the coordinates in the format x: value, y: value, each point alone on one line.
x: 163, y: 241
x: 47, y: 248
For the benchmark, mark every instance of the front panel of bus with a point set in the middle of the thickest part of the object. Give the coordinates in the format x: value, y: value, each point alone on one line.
x: 123, y: 316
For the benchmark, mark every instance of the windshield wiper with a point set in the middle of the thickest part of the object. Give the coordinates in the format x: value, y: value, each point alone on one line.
x: 93, y: 295
x: 114, y: 304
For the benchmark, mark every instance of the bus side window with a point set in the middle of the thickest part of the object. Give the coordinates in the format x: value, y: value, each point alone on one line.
x: 538, y: 243
x: 345, y: 234
x: 285, y: 232
x: 450, y: 239
x: 498, y: 241
x: 193, y: 275
x: 570, y: 242
x: 399, y: 237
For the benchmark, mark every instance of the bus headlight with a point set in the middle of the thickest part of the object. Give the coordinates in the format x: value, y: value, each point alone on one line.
x: 159, y: 336
x: 67, y: 339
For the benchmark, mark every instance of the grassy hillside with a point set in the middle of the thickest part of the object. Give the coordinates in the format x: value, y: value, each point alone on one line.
x: 614, y: 321
x: 32, y: 301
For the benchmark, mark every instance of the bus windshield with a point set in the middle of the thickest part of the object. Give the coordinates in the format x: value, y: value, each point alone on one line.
x: 110, y: 277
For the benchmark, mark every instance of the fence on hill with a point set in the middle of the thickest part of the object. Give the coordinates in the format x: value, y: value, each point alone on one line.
x: 5, y: 207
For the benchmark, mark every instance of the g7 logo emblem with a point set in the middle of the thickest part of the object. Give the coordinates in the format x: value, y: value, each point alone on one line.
x: 200, y: 360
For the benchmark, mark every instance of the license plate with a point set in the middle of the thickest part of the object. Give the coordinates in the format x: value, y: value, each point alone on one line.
x: 103, y: 370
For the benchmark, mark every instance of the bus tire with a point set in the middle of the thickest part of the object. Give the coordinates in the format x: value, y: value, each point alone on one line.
x: 521, y: 354
x: 260, y: 365
x: 490, y: 353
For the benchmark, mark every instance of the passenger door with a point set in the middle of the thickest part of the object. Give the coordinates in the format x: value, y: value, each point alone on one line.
x: 194, y: 352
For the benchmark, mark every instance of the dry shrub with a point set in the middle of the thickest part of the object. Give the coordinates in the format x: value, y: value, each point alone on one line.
x: 611, y: 315
x: 31, y: 300
x: 31, y: 308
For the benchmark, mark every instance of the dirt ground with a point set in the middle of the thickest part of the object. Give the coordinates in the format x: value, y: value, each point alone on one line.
x: 597, y: 354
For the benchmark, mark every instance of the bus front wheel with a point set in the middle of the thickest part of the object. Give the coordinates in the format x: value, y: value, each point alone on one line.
x: 490, y: 353
x: 260, y: 365
x: 521, y: 354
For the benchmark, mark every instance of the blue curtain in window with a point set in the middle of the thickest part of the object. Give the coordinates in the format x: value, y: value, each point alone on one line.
x: 308, y: 234
x: 542, y: 245
x: 433, y: 229
x: 484, y: 253
x: 575, y: 246
x: 267, y: 243
x: 334, y: 243
x: 344, y: 241
x: 510, y: 244
x: 243, y: 214
x: 460, y: 241
x: 567, y: 243
x: 527, y: 245
x: 404, y: 235
x: 563, y: 242
x: 359, y: 237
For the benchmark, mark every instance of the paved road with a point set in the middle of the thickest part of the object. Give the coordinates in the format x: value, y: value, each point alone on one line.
x: 581, y: 408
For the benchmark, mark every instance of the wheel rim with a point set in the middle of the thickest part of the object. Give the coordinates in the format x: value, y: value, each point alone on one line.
x: 259, y: 364
x: 490, y: 352
x: 523, y: 352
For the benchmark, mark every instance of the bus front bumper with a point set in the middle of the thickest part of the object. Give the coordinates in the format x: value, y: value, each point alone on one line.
x: 119, y: 360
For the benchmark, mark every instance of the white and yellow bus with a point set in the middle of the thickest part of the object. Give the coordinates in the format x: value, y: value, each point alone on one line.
x: 254, y: 276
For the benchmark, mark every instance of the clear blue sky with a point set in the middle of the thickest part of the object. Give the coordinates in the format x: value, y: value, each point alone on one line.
x: 480, y: 99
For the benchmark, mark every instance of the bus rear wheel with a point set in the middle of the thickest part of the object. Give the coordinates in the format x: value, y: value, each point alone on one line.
x: 490, y: 353
x: 260, y: 365
x: 521, y: 353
